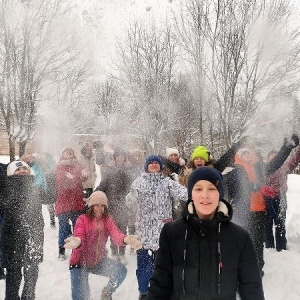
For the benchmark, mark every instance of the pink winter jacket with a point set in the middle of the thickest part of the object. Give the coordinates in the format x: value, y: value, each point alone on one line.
x: 94, y: 234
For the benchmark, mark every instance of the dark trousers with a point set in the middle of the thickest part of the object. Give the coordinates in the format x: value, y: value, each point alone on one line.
x: 14, y: 278
x: 277, y: 219
x: 256, y: 230
x: 145, y: 265
x: 121, y: 219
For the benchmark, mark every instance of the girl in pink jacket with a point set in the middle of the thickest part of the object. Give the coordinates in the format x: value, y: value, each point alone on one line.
x: 89, y: 254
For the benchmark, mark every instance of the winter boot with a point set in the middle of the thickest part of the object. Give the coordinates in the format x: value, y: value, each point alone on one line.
x: 52, y: 222
x: 123, y: 260
x: 106, y: 294
x: 61, y: 253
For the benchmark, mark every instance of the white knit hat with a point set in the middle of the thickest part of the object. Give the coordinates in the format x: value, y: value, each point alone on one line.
x: 170, y: 151
x: 97, y: 197
x: 13, y: 166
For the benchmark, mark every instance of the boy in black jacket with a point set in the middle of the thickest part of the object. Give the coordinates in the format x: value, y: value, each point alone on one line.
x: 22, y: 231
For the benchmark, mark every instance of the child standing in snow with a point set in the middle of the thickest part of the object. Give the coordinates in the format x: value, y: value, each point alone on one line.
x: 203, y: 254
x: 90, y: 255
x: 22, y: 231
x: 153, y: 194
x: 69, y: 204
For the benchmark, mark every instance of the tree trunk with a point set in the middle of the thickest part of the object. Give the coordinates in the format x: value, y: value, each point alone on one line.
x: 12, y: 149
x: 22, y: 148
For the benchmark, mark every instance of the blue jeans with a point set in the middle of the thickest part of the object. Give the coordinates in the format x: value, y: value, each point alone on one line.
x: 145, y: 265
x: 107, y: 267
x: 64, y: 229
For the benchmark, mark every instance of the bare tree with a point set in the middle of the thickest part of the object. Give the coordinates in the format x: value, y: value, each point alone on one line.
x: 30, y: 51
x: 234, y: 61
x: 146, y: 65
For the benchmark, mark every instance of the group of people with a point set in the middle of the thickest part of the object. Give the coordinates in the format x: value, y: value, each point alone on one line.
x: 195, y: 231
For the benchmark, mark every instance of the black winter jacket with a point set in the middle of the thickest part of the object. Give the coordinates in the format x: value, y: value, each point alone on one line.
x: 22, y: 228
x: 189, y: 265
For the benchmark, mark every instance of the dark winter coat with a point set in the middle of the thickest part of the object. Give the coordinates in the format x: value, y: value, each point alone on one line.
x: 3, y: 168
x: 22, y: 228
x: 172, y: 167
x: 188, y: 261
x: 115, y: 183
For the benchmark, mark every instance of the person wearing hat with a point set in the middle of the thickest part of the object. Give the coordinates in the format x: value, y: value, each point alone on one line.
x: 245, y: 184
x: 89, y: 254
x: 115, y: 183
x: 174, y: 167
x: 22, y: 230
x: 201, y: 157
x: 204, y: 255
x: 153, y: 194
x: 173, y: 163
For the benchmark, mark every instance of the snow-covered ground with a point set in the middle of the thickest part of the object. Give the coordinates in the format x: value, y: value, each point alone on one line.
x: 281, y: 280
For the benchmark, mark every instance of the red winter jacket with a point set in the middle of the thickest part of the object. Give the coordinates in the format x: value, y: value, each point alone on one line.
x: 278, y: 180
x: 94, y: 234
x: 69, y: 187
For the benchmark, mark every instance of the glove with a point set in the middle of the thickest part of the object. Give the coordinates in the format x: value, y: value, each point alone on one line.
x: 295, y: 139
x: 72, y: 242
x: 133, y: 242
x: 293, y: 142
x: 175, y: 177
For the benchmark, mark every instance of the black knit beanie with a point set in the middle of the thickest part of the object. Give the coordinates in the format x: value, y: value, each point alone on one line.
x: 206, y: 173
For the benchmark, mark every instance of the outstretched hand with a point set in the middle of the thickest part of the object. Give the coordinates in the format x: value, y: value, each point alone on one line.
x: 133, y: 241
x: 72, y: 242
x: 292, y: 142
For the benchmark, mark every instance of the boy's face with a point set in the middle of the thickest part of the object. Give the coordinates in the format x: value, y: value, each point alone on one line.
x: 22, y: 171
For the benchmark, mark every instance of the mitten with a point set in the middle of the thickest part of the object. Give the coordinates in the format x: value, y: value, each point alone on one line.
x: 295, y: 139
x: 175, y: 177
x: 72, y: 242
x: 133, y: 242
x: 293, y: 142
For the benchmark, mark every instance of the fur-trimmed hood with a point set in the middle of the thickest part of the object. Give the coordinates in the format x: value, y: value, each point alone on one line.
x: 224, y: 211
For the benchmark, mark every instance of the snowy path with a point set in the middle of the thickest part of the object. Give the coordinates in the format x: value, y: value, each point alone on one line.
x: 282, y: 270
